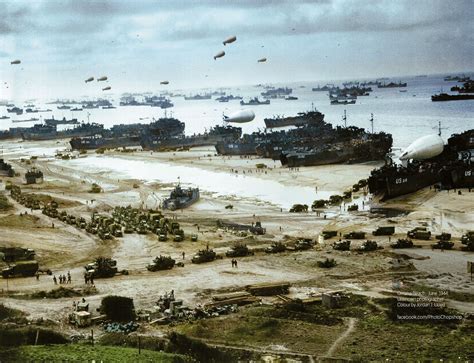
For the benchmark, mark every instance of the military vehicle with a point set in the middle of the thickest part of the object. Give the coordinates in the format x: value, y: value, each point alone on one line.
x: 469, y: 236
x: 304, y: 244
x: 443, y: 245
x: 329, y: 234
x: 402, y: 243
x: 202, y: 256
x: 276, y: 247
x: 368, y: 246
x: 255, y: 229
x: 102, y: 267
x: 355, y: 235
x: 299, y: 208
x: 342, y: 245
x: 239, y: 250
x: 419, y: 233
x: 443, y: 236
x: 352, y: 208
x: 6, y: 169
x: 384, y: 231
x: 194, y: 237
x: 161, y: 263
x: 12, y: 254
x: 21, y: 268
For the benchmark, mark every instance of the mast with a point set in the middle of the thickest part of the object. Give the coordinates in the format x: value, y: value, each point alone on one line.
x: 344, y: 118
x: 372, y: 122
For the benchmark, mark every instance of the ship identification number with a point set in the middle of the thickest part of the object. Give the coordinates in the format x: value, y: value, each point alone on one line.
x: 401, y: 180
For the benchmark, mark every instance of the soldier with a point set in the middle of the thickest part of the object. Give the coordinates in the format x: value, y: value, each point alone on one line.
x: 235, y: 263
x: 91, y: 278
x: 37, y: 276
x: 86, y: 278
x: 184, y: 255
x: 68, y: 277
x: 55, y: 280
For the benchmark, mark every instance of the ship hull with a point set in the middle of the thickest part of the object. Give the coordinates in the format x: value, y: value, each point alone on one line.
x: 293, y: 121
x: 223, y: 148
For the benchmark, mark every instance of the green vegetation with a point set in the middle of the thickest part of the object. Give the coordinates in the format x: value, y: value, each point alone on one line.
x: 61, y: 292
x: 327, y: 263
x: 303, y: 331
x: 4, y: 204
x: 377, y: 338
x: 18, y: 336
x: 86, y: 353
x: 8, y: 313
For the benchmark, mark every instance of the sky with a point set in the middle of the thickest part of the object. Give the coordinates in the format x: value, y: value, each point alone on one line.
x: 137, y: 44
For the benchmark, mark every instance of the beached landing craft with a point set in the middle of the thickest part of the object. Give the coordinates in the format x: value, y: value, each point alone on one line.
x: 240, y: 116
x: 428, y: 162
x: 181, y: 198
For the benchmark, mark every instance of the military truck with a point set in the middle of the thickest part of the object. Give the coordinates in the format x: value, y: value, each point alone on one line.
x: 329, y: 234
x: 368, y: 246
x: 384, y: 231
x: 342, y: 245
x: 299, y: 208
x: 203, y: 256
x: 304, y: 244
x: 355, y: 235
x: 102, y: 267
x: 468, y: 237
x: 161, y: 263
x: 12, y: 254
x: 402, y: 243
x: 239, y: 250
x: 443, y: 236
x: 419, y: 233
x: 352, y: 208
x: 276, y: 247
x: 21, y: 268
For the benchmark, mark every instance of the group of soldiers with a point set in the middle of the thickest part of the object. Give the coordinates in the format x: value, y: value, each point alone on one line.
x: 88, y: 278
x: 63, y: 279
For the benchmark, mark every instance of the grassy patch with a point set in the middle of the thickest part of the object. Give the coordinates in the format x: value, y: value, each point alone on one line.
x: 8, y: 313
x: 61, y: 292
x: 263, y: 326
x: 377, y: 338
x: 86, y: 353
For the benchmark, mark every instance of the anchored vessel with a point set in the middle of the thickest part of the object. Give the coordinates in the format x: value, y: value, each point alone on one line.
x: 129, y: 135
x: 314, y: 143
x: 451, y: 167
x: 214, y: 136
x: 50, y: 132
x: 303, y: 118
x: 181, y: 198
x: 446, y: 97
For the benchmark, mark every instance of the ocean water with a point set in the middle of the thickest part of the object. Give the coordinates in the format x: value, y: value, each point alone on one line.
x: 406, y: 115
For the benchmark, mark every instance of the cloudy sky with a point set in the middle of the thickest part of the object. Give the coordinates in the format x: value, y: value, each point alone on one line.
x: 139, y: 43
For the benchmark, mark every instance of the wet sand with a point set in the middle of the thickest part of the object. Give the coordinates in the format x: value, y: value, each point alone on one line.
x: 65, y: 248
